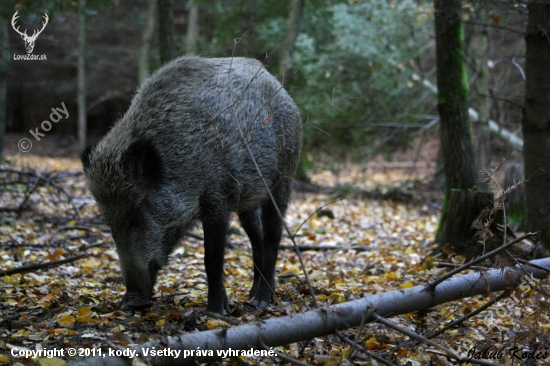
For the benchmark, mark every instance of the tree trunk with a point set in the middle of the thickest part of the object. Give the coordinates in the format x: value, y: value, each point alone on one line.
x: 192, y: 29
x: 482, y: 86
x: 82, y: 123
x: 247, y: 44
x: 147, y: 38
x: 458, y: 230
x: 294, y: 19
x: 166, y: 30
x: 5, y: 61
x: 536, y: 120
x: 320, y: 322
x: 453, y: 91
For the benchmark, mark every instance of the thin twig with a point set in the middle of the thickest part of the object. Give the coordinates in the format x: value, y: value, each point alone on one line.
x: 477, y: 260
x: 35, y: 267
x: 533, y: 265
x: 363, y: 349
x: 418, y: 337
x: 48, y: 180
x: 302, y: 248
x: 310, y: 216
x: 471, y: 314
x: 284, y: 357
x: 490, y: 175
x: 9, y: 319
x: 194, y: 236
x: 28, y: 194
x: 454, y: 265
x: 71, y: 227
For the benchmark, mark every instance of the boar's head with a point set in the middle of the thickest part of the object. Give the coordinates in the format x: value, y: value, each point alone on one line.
x: 128, y: 185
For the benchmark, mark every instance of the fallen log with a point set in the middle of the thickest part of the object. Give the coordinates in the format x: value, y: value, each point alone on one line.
x: 214, y: 344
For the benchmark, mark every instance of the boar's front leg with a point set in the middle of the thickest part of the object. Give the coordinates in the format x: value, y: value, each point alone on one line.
x: 215, y: 222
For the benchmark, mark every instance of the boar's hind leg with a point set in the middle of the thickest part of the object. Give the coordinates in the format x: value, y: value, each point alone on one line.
x: 272, y: 225
x: 215, y: 221
x: 252, y: 224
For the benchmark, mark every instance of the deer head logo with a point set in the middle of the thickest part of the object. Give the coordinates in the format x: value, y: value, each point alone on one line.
x: 29, y: 40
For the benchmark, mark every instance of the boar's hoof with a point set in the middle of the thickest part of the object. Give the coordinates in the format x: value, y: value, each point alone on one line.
x: 222, y: 309
x: 125, y: 304
x: 218, y: 303
x: 135, y: 306
x: 260, y: 304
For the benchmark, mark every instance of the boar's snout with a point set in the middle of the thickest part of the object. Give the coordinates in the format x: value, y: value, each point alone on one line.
x: 139, y: 286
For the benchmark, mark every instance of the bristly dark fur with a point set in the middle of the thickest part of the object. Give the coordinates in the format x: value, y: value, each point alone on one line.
x: 85, y: 156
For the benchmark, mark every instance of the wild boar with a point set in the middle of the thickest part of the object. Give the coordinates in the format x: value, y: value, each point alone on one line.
x: 189, y: 149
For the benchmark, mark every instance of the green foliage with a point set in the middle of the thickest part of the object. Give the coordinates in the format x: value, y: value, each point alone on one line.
x: 516, y: 218
x: 32, y: 10
x: 359, y: 57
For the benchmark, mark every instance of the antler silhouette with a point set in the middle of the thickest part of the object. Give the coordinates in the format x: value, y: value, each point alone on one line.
x: 29, y: 40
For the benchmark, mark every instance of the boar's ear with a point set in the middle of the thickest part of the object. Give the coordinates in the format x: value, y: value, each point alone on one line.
x: 85, y: 156
x: 144, y: 161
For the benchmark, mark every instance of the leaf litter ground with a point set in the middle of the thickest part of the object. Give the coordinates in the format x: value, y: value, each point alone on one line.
x: 76, y: 304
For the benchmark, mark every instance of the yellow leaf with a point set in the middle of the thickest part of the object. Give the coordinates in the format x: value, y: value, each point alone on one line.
x: 54, y: 361
x: 372, y: 344
x: 3, y: 358
x: 428, y: 263
x: 406, y: 285
x: 215, y: 323
x: 85, y: 311
x: 63, y: 332
x: 85, y: 315
x: 390, y: 276
x: 66, y: 321
x: 86, y: 319
x: 447, y: 249
x: 49, y: 298
x: 153, y: 317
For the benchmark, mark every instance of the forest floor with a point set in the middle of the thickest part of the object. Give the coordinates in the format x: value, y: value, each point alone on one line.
x: 376, y: 229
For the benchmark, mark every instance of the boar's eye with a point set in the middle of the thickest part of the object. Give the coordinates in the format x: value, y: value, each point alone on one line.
x: 135, y: 217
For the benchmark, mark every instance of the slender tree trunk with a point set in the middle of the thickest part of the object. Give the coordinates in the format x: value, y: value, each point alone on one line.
x: 5, y: 62
x: 166, y: 30
x: 482, y: 86
x: 248, y: 28
x: 294, y: 20
x: 192, y: 29
x: 453, y: 91
x: 147, y: 38
x: 82, y: 123
x: 536, y: 120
